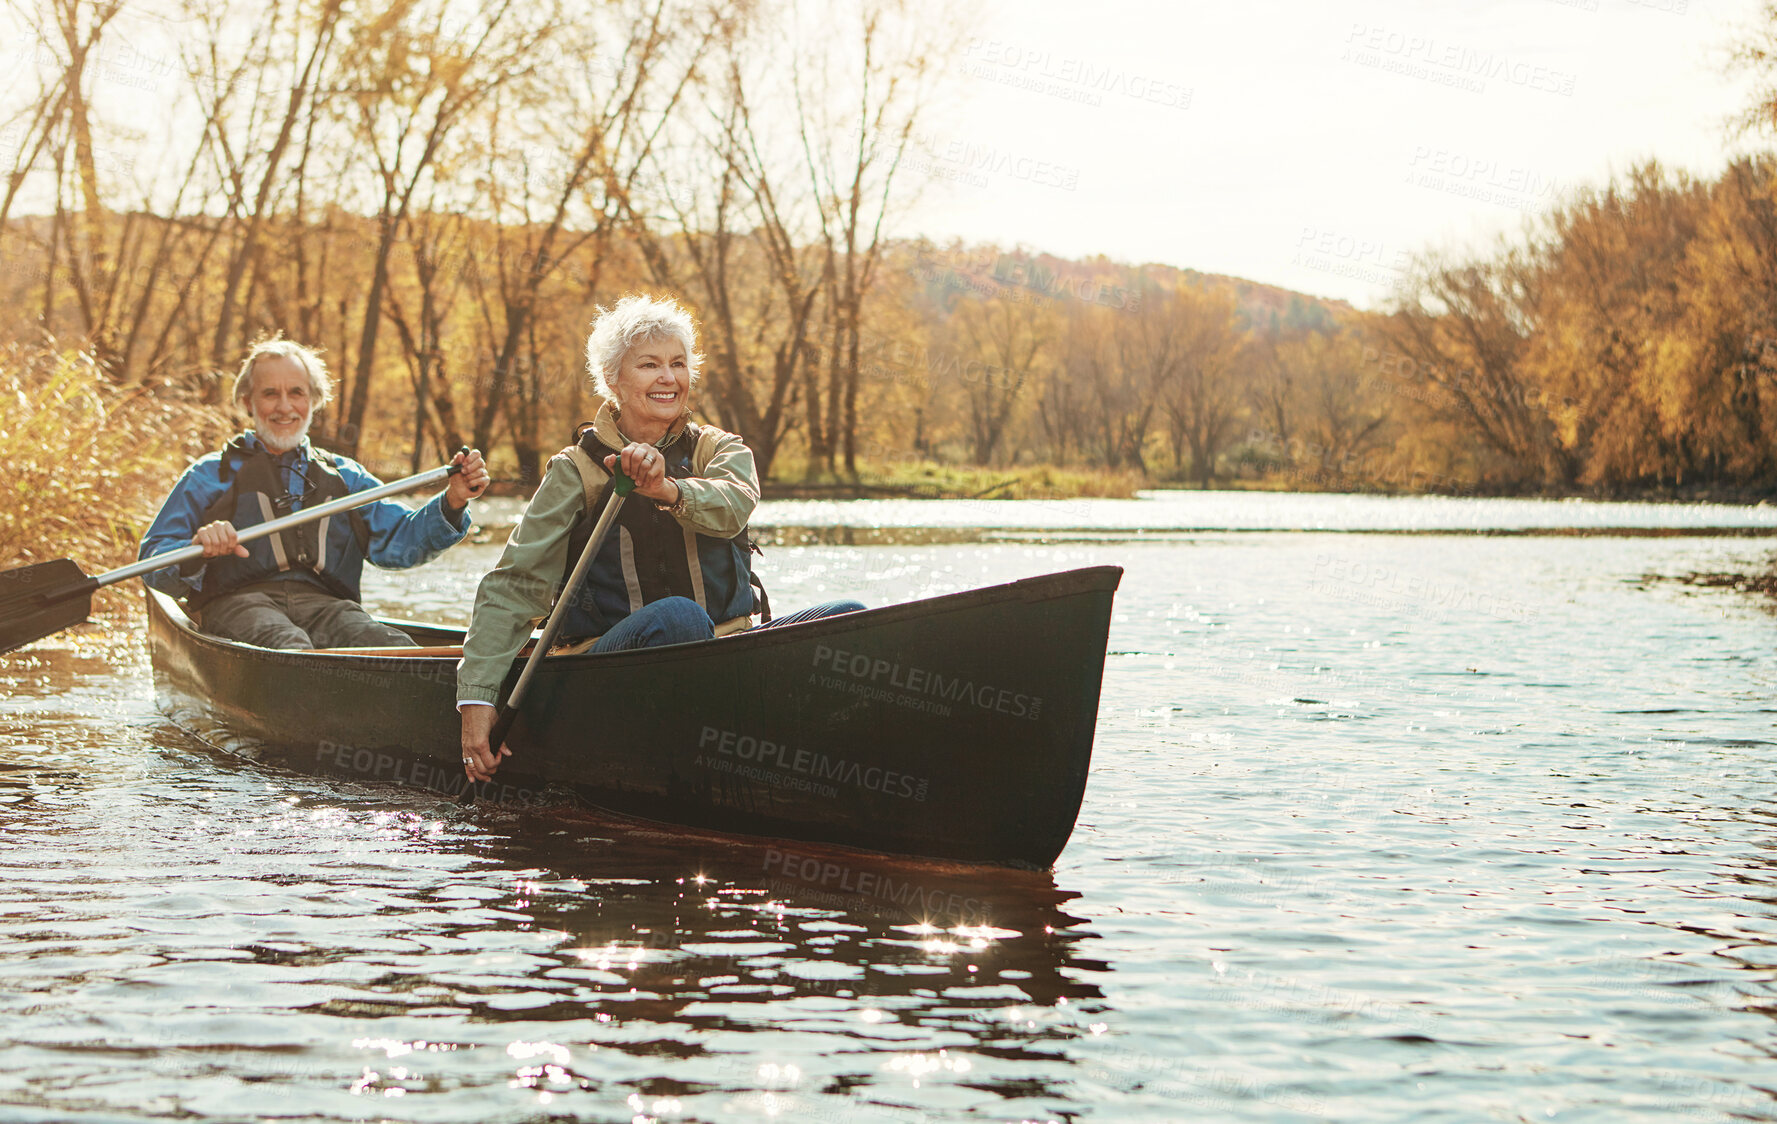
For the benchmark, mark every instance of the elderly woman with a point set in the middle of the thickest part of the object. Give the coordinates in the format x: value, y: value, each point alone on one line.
x: 674, y: 570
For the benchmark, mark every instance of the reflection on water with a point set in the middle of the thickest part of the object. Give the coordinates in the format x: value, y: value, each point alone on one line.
x: 1379, y: 828
x: 189, y: 934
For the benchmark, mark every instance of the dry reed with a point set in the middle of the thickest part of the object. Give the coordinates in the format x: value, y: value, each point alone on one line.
x: 87, y: 461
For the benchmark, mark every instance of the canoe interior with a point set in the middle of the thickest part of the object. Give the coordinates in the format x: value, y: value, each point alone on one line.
x: 955, y: 727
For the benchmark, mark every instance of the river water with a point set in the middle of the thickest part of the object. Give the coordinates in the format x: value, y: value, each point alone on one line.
x: 1381, y: 827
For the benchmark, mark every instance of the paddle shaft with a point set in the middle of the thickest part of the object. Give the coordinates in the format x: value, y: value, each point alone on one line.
x: 507, y: 716
x: 42, y: 599
x: 284, y: 522
x: 600, y: 531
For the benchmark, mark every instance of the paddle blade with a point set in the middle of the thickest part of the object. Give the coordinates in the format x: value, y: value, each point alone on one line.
x: 36, y: 601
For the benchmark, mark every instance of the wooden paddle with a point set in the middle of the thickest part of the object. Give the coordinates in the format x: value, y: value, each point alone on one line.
x: 621, y: 487
x: 36, y: 601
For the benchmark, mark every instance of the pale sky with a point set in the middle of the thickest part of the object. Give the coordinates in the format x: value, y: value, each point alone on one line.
x: 1313, y: 144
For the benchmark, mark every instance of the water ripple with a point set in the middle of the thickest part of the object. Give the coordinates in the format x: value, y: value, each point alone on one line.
x: 1379, y: 829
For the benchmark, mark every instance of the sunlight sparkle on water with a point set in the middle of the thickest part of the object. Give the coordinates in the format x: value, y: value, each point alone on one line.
x: 919, y: 1065
x: 604, y: 957
x: 521, y: 1051
x: 651, y: 1113
x: 985, y: 933
x: 394, y: 1048
x: 779, y: 1076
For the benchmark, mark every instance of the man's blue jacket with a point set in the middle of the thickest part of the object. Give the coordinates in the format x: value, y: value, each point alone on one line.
x: 397, y: 536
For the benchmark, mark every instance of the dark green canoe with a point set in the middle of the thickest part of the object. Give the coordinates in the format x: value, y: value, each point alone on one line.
x: 956, y: 727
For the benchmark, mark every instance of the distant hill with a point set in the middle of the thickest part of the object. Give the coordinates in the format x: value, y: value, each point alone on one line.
x: 1269, y: 309
x: 952, y: 271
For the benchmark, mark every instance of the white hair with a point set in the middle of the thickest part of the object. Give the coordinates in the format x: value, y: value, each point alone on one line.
x: 633, y: 320
x: 320, y: 382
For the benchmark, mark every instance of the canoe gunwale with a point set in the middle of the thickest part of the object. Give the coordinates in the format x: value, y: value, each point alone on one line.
x: 1066, y: 583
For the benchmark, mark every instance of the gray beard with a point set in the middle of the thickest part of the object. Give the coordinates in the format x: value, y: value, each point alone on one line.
x: 272, y: 443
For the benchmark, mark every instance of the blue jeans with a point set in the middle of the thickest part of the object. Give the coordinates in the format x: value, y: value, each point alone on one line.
x: 816, y: 612
x: 680, y: 620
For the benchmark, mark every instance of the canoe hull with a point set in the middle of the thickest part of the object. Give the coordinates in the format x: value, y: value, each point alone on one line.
x: 957, y: 727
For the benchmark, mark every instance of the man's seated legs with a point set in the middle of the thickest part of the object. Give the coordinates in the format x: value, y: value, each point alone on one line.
x: 254, y: 614
x: 296, y: 614
x: 335, y: 622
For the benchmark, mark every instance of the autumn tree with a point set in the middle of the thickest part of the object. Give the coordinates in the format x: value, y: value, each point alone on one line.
x: 997, y: 346
x: 411, y: 75
x: 1191, y: 342
x: 1339, y: 408
x: 856, y: 108
x: 1458, y: 339
x: 564, y: 152
x: 1102, y: 389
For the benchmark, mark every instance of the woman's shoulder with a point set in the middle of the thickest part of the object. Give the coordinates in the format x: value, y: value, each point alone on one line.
x: 715, y: 437
x: 703, y: 429
x: 712, y: 440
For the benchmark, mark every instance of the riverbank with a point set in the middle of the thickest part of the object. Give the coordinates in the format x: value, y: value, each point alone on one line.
x: 1444, y: 486
x: 928, y: 480
x: 1064, y: 484
x: 87, y: 460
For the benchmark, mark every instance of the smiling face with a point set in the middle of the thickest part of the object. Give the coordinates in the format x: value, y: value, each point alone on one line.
x: 281, y: 402
x: 653, y: 385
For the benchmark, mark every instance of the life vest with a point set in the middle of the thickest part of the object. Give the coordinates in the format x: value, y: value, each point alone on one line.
x: 649, y: 555
x: 329, y: 551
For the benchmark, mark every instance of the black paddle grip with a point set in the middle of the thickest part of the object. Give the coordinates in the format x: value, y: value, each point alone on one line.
x: 502, y: 728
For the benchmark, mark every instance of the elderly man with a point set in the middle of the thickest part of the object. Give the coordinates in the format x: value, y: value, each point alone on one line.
x: 299, y: 588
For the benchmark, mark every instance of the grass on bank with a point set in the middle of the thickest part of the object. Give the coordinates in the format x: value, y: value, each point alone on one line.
x: 87, y: 461
x: 931, y: 480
